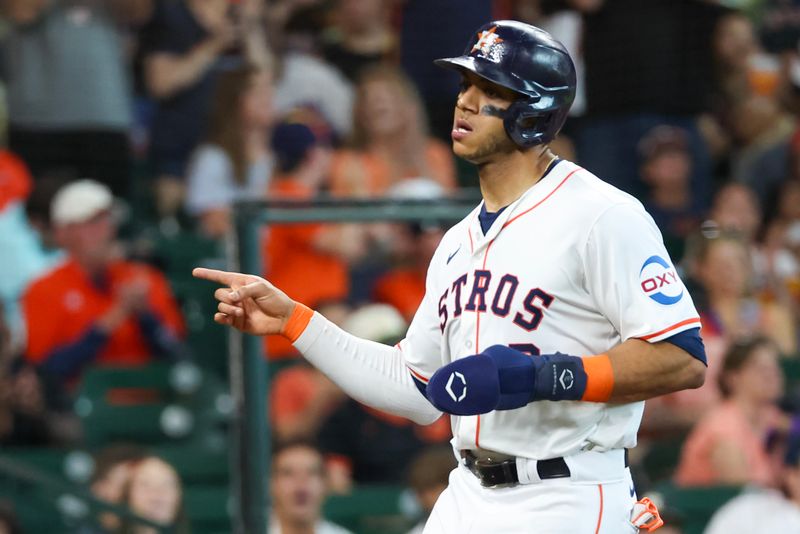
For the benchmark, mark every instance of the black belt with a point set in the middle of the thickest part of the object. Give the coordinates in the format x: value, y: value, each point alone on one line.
x: 504, y: 472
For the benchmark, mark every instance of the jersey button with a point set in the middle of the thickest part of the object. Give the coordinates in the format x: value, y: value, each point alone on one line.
x: 468, y: 344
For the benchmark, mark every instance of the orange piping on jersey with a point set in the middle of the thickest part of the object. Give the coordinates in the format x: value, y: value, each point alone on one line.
x: 416, y: 374
x: 600, y: 515
x: 478, y: 342
x: 298, y: 321
x: 515, y: 217
x: 469, y: 235
x: 599, y: 378
x: 485, y: 256
x: 673, y: 327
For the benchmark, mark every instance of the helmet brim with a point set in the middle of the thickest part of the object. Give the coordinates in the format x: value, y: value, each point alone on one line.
x: 486, y: 70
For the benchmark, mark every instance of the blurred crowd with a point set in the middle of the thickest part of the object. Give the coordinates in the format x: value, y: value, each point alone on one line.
x: 121, y: 120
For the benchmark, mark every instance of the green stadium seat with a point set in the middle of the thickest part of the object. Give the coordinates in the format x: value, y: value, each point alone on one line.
x: 207, y: 508
x: 36, y: 510
x: 37, y: 506
x: 369, y: 510
x: 661, y: 458
x: 177, y: 254
x: 46, y: 459
x: 123, y: 404
x: 143, y: 406
x: 197, y: 463
x: 182, y: 252
x: 207, y: 340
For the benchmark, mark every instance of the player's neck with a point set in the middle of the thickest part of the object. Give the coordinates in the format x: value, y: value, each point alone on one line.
x: 505, y: 180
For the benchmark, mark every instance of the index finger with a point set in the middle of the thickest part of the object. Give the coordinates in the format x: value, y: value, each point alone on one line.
x: 214, y: 275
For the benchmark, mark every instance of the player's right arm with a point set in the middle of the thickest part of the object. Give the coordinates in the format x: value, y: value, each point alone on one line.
x: 371, y: 373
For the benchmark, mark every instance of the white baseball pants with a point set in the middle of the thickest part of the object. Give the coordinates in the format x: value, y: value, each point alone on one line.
x: 557, y: 506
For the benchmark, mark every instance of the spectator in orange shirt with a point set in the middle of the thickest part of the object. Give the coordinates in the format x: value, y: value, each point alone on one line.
x: 390, y: 142
x: 96, y: 308
x: 404, y: 286
x: 293, y: 251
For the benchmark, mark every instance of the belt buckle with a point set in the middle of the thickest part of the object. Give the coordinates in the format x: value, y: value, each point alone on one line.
x: 495, y: 474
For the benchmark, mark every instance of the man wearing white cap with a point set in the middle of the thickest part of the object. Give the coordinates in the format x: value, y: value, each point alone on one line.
x: 95, y: 307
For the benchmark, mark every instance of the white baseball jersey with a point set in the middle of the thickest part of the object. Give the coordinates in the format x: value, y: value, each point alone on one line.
x: 575, y: 266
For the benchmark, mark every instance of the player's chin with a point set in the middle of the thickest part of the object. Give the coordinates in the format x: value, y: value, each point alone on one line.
x: 469, y: 154
x: 463, y: 150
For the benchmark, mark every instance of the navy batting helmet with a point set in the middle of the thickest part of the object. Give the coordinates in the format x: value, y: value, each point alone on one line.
x: 530, y: 62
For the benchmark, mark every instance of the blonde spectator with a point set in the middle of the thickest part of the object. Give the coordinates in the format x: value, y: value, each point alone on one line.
x: 185, y: 45
x: 390, y: 141
x: 234, y: 164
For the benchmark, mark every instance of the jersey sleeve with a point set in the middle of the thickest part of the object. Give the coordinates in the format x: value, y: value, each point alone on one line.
x: 421, y: 347
x: 632, y: 279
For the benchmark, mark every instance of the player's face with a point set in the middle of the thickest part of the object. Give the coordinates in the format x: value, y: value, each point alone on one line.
x: 478, y: 134
x: 298, y: 486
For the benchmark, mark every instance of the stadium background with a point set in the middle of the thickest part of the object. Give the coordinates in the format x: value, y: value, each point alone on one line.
x: 196, y: 112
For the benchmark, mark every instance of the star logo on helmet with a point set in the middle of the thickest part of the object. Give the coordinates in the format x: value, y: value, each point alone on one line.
x: 487, y: 40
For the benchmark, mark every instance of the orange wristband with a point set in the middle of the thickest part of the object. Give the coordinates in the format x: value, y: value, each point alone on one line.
x: 599, y: 378
x: 298, y: 321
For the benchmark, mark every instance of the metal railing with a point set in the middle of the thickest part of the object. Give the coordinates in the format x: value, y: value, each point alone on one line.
x: 248, y: 369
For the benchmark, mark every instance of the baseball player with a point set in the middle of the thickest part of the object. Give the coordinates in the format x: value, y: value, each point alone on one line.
x: 552, y: 311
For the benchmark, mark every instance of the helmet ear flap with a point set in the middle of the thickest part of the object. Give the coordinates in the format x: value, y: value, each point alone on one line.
x: 525, y: 125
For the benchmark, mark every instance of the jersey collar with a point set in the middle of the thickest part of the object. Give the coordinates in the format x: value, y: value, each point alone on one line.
x: 536, y: 194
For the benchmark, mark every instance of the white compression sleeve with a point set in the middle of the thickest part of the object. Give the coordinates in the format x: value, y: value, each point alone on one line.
x: 371, y: 373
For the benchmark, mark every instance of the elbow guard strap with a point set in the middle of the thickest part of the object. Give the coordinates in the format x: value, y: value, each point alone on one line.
x: 501, y: 378
x: 556, y: 377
